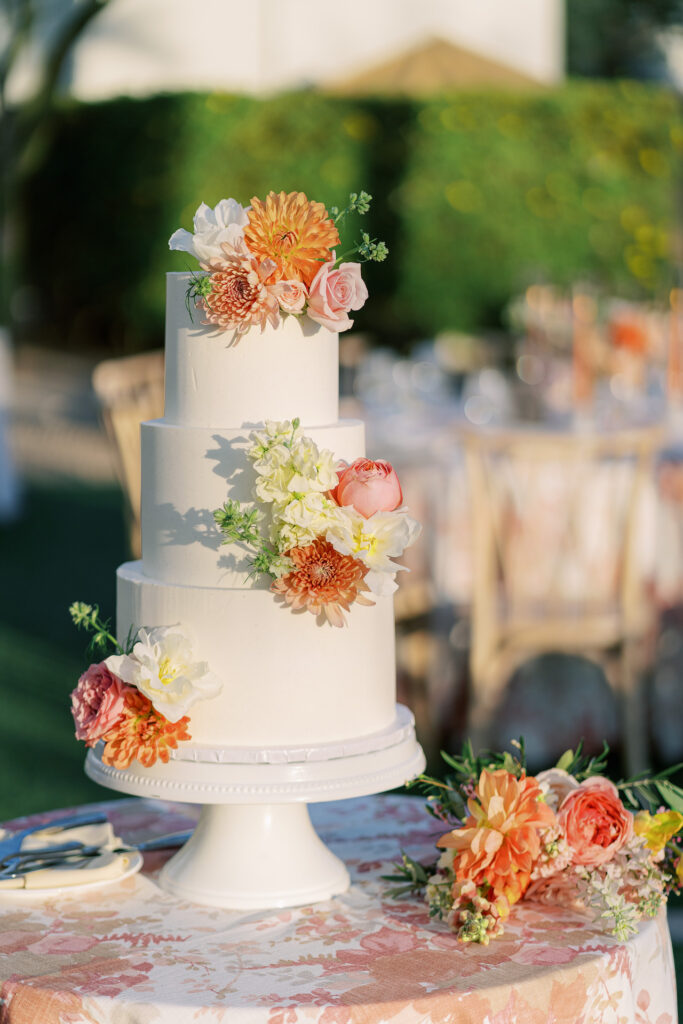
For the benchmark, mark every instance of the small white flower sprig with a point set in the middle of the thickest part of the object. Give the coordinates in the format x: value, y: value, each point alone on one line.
x: 332, y: 531
x: 277, y: 257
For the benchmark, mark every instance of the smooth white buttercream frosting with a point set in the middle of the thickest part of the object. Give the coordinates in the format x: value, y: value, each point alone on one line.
x: 218, y: 379
x: 287, y: 679
x: 187, y: 472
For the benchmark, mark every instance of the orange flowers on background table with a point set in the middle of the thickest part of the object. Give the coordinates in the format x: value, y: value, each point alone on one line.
x: 565, y: 836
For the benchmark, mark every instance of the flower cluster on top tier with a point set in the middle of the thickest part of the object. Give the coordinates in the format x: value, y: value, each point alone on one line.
x: 276, y: 257
x: 136, y: 700
x: 332, y: 529
x: 564, y: 836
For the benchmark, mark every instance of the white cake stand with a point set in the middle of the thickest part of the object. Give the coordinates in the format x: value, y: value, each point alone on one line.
x: 254, y: 846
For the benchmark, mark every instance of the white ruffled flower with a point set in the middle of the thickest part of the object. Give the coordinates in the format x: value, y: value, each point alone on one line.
x: 274, y: 473
x: 161, y: 666
x: 225, y: 223
x: 375, y: 541
x: 313, y: 468
x: 285, y: 473
x: 299, y: 521
x: 555, y: 785
x: 275, y: 432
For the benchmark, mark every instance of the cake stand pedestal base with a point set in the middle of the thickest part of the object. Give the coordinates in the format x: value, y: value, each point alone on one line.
x: 254, y: 846
x: 251, y: 856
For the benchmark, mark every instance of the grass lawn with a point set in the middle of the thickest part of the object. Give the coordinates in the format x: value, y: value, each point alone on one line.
x: 65, y: 547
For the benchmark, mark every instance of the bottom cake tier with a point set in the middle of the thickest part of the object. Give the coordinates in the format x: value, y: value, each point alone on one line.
x: 287, y: 679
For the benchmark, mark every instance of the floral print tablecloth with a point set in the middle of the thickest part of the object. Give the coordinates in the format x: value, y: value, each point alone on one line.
x: 132, y: 954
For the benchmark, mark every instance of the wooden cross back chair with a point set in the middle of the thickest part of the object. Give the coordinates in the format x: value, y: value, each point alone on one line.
x: 130, y: 390
x: 556, y: 567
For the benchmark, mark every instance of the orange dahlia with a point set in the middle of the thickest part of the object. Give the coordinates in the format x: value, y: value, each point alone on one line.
x: 239, y: 298
x: 142, y: 733
x: 295, y: 233
x: 500, y: 840
x: 323, y: 581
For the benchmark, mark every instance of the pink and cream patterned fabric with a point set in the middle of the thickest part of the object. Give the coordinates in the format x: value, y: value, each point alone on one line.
x: 131, y: 954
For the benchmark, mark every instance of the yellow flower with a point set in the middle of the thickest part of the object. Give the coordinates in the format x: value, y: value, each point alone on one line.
x: 657, y: 829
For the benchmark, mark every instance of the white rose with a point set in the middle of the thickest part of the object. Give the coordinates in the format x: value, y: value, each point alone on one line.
x: 161, y: 666
x: 225, y: 223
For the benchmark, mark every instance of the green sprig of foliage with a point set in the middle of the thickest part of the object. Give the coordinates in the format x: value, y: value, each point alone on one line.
x: 87, y: 617
x: 411, y: 877
x: 241, y: 526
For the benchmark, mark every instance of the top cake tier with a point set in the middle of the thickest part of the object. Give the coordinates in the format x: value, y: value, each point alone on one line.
x: 217, y: 379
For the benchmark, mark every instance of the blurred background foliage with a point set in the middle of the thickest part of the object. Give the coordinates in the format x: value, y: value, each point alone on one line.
x: 476, y: 194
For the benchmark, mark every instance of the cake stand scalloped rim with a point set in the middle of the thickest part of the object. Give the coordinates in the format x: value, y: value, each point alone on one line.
x: 357, y: 775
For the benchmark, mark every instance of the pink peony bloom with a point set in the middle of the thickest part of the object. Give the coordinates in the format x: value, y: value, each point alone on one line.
x: 333, y: 293
x: 97, y: 703
x: 290, y: 294
x: 369, y: 486
x: 594, y: 821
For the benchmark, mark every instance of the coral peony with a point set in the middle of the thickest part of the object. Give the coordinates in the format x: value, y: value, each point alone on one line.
x: 239, y: 298
x: 369, y: 486
x: 323, y: 581
x: 97, y: 703
x: 142, y: 733
x: 594, y: 821
x: 333, y: 293
x: 297, y: 235
x: 499, y: 842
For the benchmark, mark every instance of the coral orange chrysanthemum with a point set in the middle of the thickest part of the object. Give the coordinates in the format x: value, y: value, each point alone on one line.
x: 142, y: 733
x: 500, y: 841
x: 323, y: 581
x: 239, y: 298
x: 292, y: 231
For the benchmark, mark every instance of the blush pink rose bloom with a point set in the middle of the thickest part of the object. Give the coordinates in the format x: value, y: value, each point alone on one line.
x: 369, y: 486
x: 290, y: 294
x: 97, y: 703
x: 594, y: 821
x: 333, y: 293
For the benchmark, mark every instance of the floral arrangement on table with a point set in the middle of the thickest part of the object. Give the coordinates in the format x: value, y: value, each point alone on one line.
x: 568, y: 836
x: 332, y: 529
x: 136, y: 700
x: 274, y: 258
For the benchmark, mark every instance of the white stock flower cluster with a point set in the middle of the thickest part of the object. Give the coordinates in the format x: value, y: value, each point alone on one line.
x: 626, y: 889
x: 295, y: 477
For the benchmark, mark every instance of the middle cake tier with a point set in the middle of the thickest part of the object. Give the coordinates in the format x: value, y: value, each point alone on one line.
x: 187, y: 472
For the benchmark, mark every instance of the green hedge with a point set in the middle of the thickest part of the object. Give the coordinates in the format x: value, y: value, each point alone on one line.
x: 476, y: 195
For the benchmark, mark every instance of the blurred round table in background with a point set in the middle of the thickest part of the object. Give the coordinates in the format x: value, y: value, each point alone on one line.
x: 132, y: 954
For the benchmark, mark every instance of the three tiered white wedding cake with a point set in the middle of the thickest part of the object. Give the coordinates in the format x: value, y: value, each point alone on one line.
x: 259, y: 508
x: 287, y: 678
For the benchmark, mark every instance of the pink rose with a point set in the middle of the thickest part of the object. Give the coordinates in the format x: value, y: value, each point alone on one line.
x: 369, y: 486
x: 290, y: 294
x: 333, y: 293
x: 594, y: 821
x: 97, y: 703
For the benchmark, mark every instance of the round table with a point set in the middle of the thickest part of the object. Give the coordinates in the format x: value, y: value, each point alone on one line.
x: 130, y: 953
